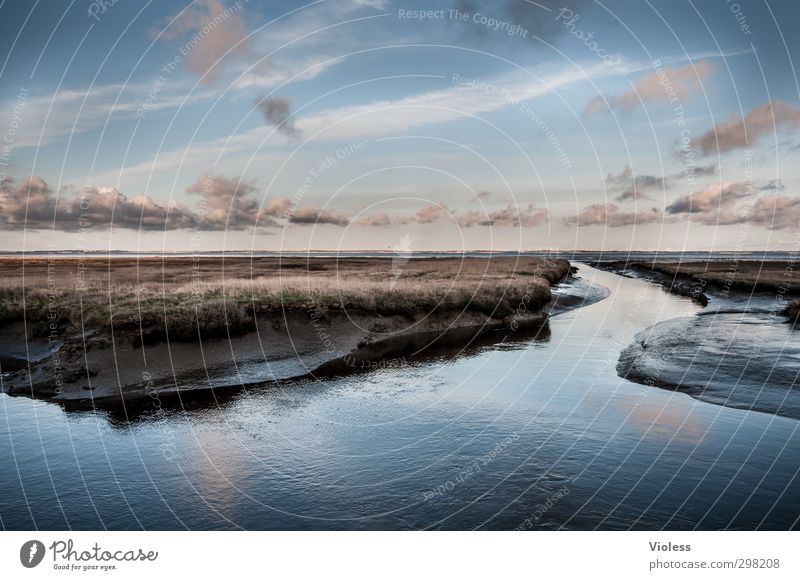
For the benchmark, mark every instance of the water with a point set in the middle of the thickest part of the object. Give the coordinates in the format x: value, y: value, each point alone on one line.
x: 539, y: 434
x: 740, y: 358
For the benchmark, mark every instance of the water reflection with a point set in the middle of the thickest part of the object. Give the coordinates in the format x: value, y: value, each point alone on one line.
x: 420, y: 349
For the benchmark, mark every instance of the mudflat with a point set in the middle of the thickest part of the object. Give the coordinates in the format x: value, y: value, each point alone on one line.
x: 741, y: 350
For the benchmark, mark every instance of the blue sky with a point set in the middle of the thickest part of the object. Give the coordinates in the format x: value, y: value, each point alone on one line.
x: 356, y: 124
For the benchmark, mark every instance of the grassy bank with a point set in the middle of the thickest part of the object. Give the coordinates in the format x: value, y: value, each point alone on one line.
x: 778, y: 276
x: 182, y: 297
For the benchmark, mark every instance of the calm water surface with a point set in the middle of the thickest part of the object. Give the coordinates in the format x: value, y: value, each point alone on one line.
x: 534, y: 434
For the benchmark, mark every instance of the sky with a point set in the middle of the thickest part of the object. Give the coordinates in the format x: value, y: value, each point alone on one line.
x: 395, y: 125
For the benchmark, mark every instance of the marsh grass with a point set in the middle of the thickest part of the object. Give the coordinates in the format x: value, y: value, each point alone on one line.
x: 749, y: 276
x: 181, y: 298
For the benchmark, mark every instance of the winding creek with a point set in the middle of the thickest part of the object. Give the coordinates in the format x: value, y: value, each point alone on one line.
x: 539, y: 433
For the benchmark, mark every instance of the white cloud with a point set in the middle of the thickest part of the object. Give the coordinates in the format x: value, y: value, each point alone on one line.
x: 392, y: 117
x: 51, y: 118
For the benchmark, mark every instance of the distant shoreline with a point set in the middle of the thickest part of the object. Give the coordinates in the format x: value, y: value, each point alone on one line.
x: 576, y: 255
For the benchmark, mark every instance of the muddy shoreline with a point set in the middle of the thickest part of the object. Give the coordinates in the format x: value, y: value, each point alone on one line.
x: 680, y: 285
x: 739, y: 351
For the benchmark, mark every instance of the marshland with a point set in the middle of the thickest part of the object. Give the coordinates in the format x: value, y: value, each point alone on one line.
x: 227, y: 460
x: 184, y: 297
x: 97, y: 325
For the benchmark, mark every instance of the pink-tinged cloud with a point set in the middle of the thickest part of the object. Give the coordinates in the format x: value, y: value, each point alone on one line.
x: 375, y: 219
x: 713, y: 205
x: 740, y: 133
x: 711, y: 197
x: 277, y: 207
x: 222, y: 204
x: 609, y: 214
x: 432, y: 213
x: 776, y: 212
x: 316, y: 216
x: 510, y: 216
x: 666, y: 85
x: 33, y: 204
x: 210, y: 33
x: 30, y: 202
x: 225, y: 203
x: 597, y: 105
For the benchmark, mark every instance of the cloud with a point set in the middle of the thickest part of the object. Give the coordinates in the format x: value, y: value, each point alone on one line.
x: 483, y: 194
x: 33, y: 204
x: 710, y: 197
x: 278, y: 112
x: 217, y: 31
x: 375, y: 219
x: 633, y: 187
x: 663, y: 86
x: 698, y: 171
x: 776, y: 212
x: 48, y: 118
x: 596, y: 105
x: 32, y: 201
x: 738, y: 133
x: 315, y: 215
x: 277, y: 207
x: 714, y: 204
x: 106, y: 206
x: 608, y: 214
x: 389, y: 117
x: 772, y: 185
x: 508, y: 217
x: 225, y: 203
x: 432, y: 213
x: 286, y: 70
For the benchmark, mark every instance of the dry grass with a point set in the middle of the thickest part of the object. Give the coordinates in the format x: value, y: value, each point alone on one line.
x: 760, y: 276
x: 214, y: 296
